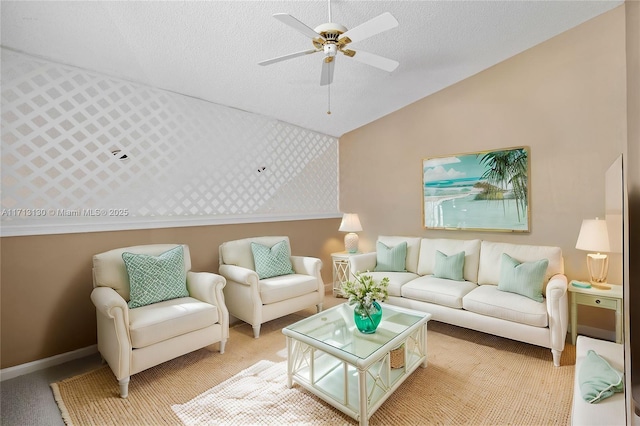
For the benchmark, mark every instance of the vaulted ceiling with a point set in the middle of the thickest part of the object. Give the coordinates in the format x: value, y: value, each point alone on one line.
x: 211, y: 49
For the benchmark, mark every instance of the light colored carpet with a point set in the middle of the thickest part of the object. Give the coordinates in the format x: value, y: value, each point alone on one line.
x: 472, y: 378
x: 257, y: 395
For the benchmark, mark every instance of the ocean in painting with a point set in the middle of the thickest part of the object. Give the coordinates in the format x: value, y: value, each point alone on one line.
x: 453, y: 203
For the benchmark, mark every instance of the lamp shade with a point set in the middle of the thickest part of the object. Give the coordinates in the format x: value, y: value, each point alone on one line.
x: 350, y: 223
x: 593, y: 236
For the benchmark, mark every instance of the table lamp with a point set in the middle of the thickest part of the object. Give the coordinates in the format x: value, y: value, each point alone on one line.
x: 351, y: 224
x: 594, y: 237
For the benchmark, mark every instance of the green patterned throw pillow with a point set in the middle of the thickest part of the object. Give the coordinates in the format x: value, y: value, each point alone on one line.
x: 449, y: 267
x: 272, y: 261
x: 526, y: 278
x: 154, y: 279
x: 391, y: 259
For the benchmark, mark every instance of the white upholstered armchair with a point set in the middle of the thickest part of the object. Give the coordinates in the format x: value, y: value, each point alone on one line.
x: 151, y: 307
x: 265, y: 282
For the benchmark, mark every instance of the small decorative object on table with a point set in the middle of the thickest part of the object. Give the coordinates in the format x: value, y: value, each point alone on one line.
x: 365, y: 293
x: 397, y: 357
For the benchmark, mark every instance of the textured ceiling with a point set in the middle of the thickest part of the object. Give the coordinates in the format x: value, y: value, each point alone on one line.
x: 210, y: 49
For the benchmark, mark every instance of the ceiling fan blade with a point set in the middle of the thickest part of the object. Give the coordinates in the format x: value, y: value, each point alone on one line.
x: 327, y: 72
x: 374, y: 26
x: 289, y: 20
x: 289, y: 56
x: 385, y: 64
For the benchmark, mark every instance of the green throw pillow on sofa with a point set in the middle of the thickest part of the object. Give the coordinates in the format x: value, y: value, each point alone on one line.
x: 391, y: 259
x: 525, y: 278
x: 449, y: 267
x: 154, y: 279
x: 272, y: 261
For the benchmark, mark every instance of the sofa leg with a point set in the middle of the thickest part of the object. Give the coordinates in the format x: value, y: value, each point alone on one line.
x: 556, y: 357
x: 124, y: 387
x: 222, y: 344
x: 319, y: 307
x: 256, y: 331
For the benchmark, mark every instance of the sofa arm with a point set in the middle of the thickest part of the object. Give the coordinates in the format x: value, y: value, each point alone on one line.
x: 239, y: 274
x: 362, y: 263
x: 558, y: 310
x: 207, y: 287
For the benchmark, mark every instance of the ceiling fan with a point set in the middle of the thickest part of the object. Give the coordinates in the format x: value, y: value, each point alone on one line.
x: 331, y: 38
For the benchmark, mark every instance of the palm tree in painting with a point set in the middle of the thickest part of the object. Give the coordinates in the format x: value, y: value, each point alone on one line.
x: 506, y: 169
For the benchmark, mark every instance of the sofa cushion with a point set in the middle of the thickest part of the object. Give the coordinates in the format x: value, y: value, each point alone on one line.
x: 449, y: 267
x: 491, y: 254
x: 285, y: 287
x: 488, y: 300
x: 396, y: 280
x: 524, y: 278
x: 272, y: 261
x: 154, y: 279
x: 428, y: 247
x: 437, y: 290
x: 391, y: 259
x: 413, y: 249
x: 164, y: 320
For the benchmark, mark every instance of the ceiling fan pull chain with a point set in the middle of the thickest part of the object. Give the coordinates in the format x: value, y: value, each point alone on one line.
x: 329, y: 100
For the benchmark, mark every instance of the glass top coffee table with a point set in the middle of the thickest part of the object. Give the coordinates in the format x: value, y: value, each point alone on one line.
x: 355, y: 372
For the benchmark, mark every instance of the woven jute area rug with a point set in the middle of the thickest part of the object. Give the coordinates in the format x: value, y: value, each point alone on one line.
x: 472, y: 378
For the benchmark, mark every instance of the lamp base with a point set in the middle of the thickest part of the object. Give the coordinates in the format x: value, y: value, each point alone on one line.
x: 598, y: 265
x: 351, y: 242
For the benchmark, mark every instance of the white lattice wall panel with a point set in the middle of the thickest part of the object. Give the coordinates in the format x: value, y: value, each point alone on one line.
x: 184, y: 157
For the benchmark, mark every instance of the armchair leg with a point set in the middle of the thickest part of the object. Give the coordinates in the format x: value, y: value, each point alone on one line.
x: 124, y: 387
x: 256, y: 331
x: 319, y: 307
x: 222, y: 344
x: 556, y: 357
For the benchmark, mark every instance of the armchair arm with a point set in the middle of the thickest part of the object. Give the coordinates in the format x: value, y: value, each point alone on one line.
x: 114, y: 341
x: 558, y: 310
x: 207, y: 287
x: 239, y: 274
x: 306, y: 265
x: 309, y: 266
x: 362, y: 262
x: 110, y: 304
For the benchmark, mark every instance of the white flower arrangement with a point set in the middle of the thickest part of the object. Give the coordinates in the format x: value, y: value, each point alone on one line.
x: 365, y: 290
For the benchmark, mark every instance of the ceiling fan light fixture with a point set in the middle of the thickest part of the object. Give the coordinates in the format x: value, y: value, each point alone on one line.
x: 330, y: 49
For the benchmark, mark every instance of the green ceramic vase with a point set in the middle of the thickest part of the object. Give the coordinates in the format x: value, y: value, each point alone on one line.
x: 367, y: 321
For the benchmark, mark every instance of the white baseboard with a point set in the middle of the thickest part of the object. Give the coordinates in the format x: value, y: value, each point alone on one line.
x: 41, y: 364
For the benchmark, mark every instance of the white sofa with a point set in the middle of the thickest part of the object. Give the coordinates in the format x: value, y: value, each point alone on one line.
x: 477, y: 303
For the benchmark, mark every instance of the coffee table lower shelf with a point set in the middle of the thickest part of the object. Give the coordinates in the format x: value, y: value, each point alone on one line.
x: 353, y: 387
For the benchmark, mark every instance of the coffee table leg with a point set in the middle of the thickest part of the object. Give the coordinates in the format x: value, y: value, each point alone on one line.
x: 424, y: 347
x: 289, y: 364
x: 362, y: 382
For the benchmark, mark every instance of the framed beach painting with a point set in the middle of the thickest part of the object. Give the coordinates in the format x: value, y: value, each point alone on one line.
x: 481, y: 191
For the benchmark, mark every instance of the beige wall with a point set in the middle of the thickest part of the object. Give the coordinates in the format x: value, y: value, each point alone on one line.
x: 565, y: 99
x: 46, y: 280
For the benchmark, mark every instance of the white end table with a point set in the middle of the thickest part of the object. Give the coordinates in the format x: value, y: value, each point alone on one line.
x: 341, y: 270
x: 607, y: 299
